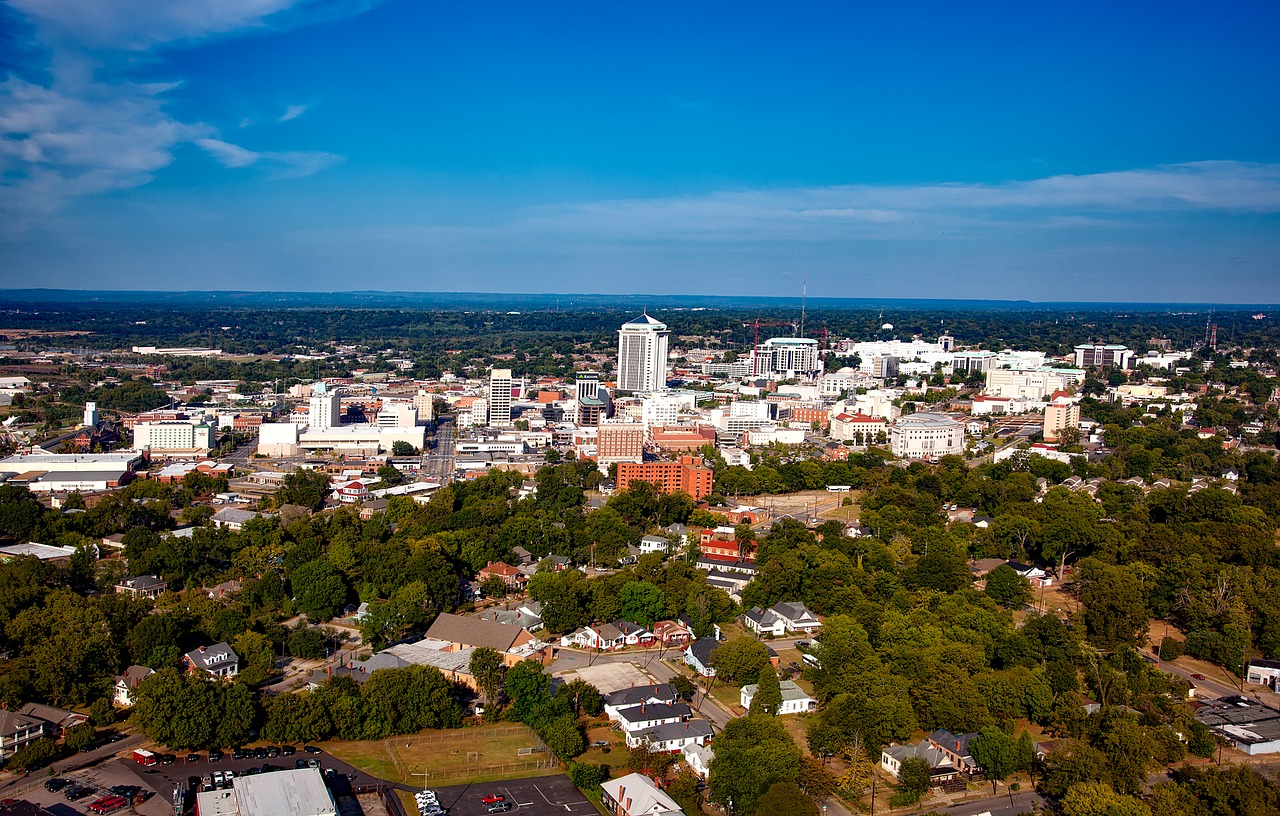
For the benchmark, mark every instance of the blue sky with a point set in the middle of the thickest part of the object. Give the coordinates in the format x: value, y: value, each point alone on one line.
x: 1074, y: 152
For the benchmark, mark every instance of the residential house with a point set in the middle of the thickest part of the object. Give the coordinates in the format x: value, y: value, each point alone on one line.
x: 609, y: 636
x: 143, y: 586
x: 649, y: 715
x: 58, y: 721
x: 1035, y: 575
x: 220, y: 660
x: 794, y: 699
x: 697, y: 655
x: 639, y: 695
x: 127, y: 683
x: 782, y: 618
x: 509, y: 575
x: 699, y: 759
x: 721, y: 544
x: 941, y: 768
x: 764, y: 622
x: 672, y: 633
x: 636, y: 795
x: 18, y: 730
x: 671, y: 738
x: 359, y: 671
x: 514, y: 643
x: 233, y: 518
x: 220, y: 591
x: 654, y: 544
x: 956, y: 748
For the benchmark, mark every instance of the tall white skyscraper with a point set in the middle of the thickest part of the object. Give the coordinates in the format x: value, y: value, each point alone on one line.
x: 642, y: 355
x: 500, y: 397
x: 325, y: 408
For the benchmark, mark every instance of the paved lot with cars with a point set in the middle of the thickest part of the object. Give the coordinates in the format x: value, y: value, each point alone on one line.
x: 536, y: 796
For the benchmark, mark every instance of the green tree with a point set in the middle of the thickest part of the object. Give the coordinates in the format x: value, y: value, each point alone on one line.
x: 914, y: 777
x: 402, y: 448
x: 528, y: 688
x: 642, y: 602
x: 786, y: 799
x: 306, y: 488
x: 78, y: 738
x: 1115, y: 608
x: 34, y: 755
x: 740, y: 659
x: 1007, y: 588
x: 487, y: 669
x: 1098, y: 799
x: 751, y: 754
x: 768, y: 696
x: 319, y: 589
x: 998, y: 753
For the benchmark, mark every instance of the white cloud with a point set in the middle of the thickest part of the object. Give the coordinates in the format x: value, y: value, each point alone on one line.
x: 895, y: 211
x: 287, y: 164
x: 76, y: 135
x: 56, y: 143
x: 140, y: 24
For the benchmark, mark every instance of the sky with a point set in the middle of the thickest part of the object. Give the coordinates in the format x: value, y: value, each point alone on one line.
x: 1024, y: 151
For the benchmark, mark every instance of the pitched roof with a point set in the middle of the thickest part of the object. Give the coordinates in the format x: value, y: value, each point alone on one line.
x: 676, y: 730
x: 219, y: 654
x: 655, y: 711
x: 11, y: 722
x: 640, y: 795
x: 474, y: 632
x: 702, y: 649
x: 639, y: 694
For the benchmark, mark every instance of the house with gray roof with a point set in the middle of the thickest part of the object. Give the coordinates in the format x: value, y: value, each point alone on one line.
x: 126, y: 684
x: 219, y: 660
x: 671, y: 737
x: 697, y: 655
x: 639, y: 695
x: 941, y: 769
x: 18, y: 730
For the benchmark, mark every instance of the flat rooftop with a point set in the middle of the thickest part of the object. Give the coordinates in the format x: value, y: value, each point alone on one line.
x: 284, y: 793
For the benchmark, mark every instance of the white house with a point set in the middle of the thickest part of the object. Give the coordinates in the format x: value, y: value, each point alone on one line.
x: 780, y: 619
x: 127, y: 683
x: 636, y: 795
x: 699, y: 759
x: 941, y: 769
x: 697, y: 655
x: 794, y: 700
x: 671, y: 738
x: 645, y: 716
x: 1036, y: 576
x: 639, y: 695
x: 654, y: 544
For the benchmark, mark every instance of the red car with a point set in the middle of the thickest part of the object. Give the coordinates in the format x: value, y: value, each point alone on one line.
x: 492, y: 798
x: 1197, y: 677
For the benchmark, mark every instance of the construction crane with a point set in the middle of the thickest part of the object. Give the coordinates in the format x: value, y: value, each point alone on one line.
x: 757, y: 323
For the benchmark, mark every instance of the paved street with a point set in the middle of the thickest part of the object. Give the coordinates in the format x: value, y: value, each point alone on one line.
x: 1023, y: 802
x: 15, y: 785
x: 438, y: 462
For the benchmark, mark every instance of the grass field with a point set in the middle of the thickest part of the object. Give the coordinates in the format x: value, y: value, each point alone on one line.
x: 484, y: 754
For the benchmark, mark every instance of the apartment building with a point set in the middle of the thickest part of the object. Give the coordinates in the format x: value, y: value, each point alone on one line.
x: 689, y: 474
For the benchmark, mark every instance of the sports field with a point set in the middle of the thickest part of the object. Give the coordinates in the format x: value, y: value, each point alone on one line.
x: 489, y: 752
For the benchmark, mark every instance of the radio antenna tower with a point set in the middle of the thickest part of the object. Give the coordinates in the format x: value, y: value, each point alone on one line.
x: 804, y: 297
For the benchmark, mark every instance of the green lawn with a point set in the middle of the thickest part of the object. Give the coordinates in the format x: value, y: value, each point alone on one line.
x: 484, y: 754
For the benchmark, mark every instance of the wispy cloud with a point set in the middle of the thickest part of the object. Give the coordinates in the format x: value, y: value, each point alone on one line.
x: 892, y: 211
x: 292, y: 112
x: 58, y: 143
x: 286, y: 164
x: 65, y: 132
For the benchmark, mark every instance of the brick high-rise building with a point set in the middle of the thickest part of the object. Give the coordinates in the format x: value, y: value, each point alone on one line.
x: 690, y: 474
x: 620, y: 442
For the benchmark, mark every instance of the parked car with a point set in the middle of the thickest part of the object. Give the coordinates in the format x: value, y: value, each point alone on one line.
x: 492, y: 798
x: 193, y: 757
x: 300, y: 764
x: 311, y: 749
x: 56, y: 784
x: 77, y: 792
x: 500, y: 807
x: 600, y: 744
x: 215, y: 755
x: 288, y: 750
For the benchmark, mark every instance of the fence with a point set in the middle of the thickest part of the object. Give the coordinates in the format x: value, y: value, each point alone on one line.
x: 463, y: 742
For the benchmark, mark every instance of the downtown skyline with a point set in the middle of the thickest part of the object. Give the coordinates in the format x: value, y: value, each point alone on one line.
x: 1081, y: 154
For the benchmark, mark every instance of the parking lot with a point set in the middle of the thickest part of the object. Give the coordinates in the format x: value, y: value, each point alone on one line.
x: 162, y: 779
x: 537, y: 796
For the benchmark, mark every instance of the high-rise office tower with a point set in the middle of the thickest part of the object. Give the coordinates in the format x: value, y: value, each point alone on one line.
x: 642, y: 355
x: 500, y: 397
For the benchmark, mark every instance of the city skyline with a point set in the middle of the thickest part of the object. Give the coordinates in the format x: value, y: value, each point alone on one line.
x: 1085, y: 155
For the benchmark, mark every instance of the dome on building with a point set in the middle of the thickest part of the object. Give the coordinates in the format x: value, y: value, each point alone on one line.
x: 847, y: 370
x: 887, y: 327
